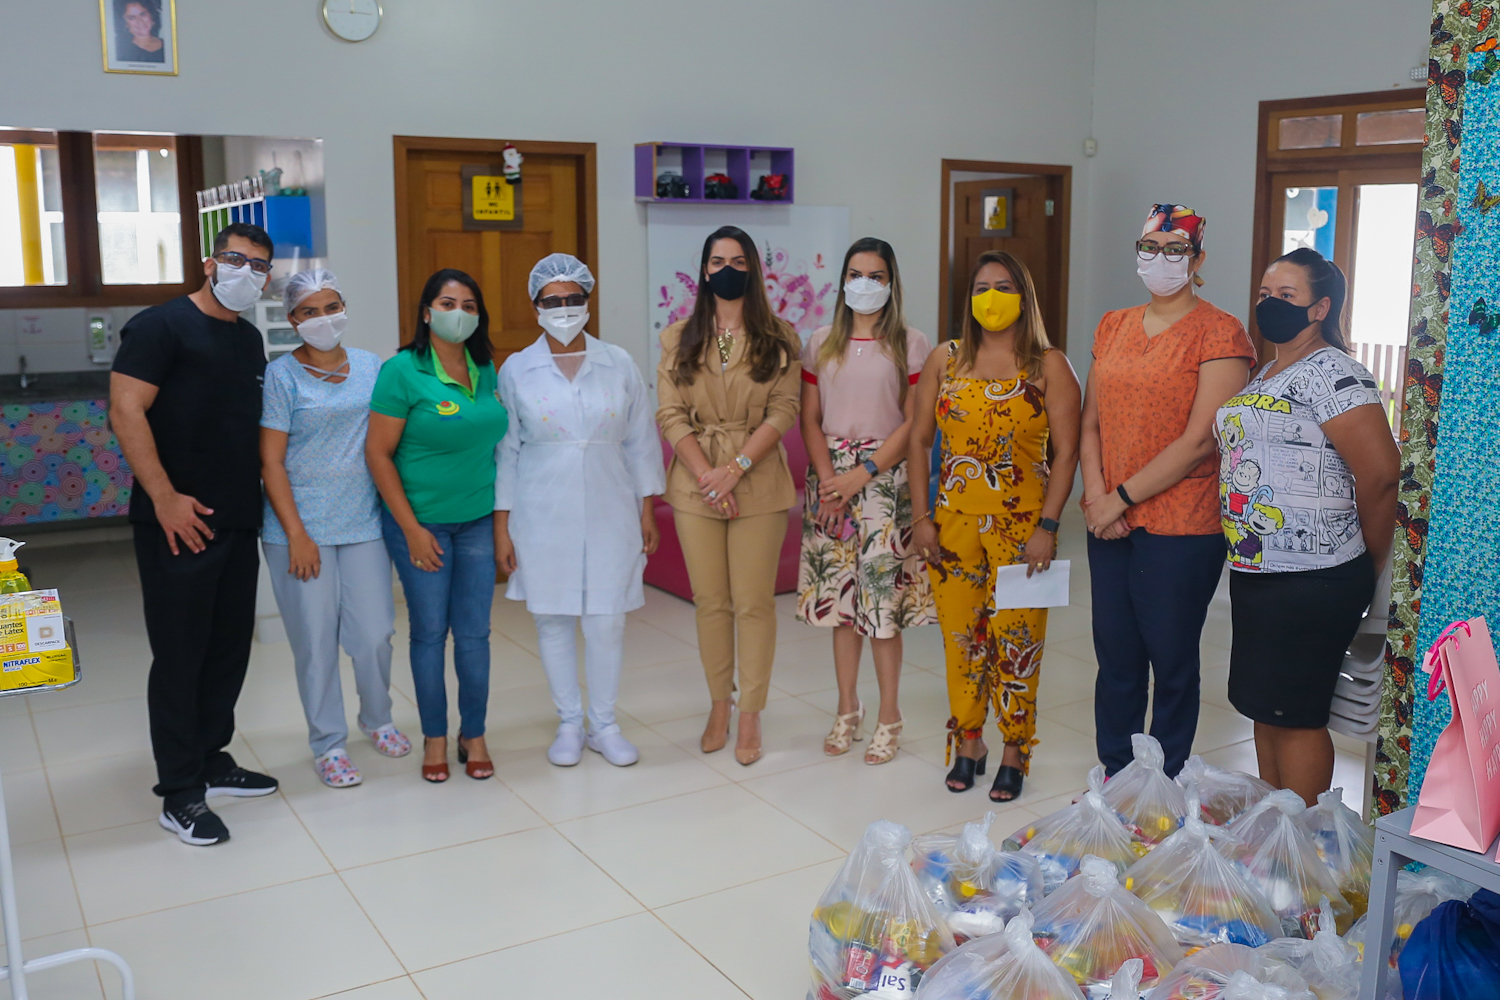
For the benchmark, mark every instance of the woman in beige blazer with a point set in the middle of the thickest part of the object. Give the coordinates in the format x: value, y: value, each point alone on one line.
x: 729, y: 387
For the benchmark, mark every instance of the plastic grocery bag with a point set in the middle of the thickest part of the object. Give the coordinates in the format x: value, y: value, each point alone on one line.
x: 1150, y: 803
x: 975, y: 887
x: 1089, y: 826
x: 1201, y: 895
x: 873, y: 929
x: 1093, y: 924
x: 1125, y: 984
x: 1231, y: 972
x: 1283, y: 862
x: 1328, y: 962
x: 1417, y: 894
x: 1345, y: 844
x: 1454, y: 954
x: 1004, y: 966
x: 1222, y: 795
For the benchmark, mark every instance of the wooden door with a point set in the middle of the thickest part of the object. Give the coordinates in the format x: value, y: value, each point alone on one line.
x: 557, y: 214
x: 1033, y: 214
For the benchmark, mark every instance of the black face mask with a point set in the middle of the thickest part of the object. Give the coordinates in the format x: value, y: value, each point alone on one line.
x: 1279, y: 320
x: 728, y: 282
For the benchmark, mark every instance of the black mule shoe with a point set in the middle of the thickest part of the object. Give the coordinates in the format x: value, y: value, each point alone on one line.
x: 964, y: 769
x: 1007, y: 779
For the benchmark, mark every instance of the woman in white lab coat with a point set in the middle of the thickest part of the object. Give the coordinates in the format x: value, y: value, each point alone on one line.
x: 577, y: 472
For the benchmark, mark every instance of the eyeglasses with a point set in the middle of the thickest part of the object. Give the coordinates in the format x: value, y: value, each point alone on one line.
x: 559, y: 301
x: 1146, y: 249
x: 232, y: 259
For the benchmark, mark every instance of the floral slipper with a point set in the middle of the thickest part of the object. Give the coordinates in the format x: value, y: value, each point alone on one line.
x: 389, y: 741
x: 336, y: 769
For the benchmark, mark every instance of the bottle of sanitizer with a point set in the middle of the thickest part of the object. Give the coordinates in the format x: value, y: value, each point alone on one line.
x: 12, y: 580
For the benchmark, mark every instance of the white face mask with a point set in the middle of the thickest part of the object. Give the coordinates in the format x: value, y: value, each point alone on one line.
x: 1165, y: 277
x: 322, y: 333
x: 237, y: 288
x: 866, y: 295
x: 562, y: 324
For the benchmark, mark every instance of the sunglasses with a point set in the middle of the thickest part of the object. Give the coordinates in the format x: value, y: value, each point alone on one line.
x: 560, y: 301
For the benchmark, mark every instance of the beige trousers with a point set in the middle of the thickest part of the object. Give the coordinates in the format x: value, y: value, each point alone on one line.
x: 732, y: 567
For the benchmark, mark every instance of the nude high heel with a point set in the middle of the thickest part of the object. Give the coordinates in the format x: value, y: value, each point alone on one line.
x: 716, y: 737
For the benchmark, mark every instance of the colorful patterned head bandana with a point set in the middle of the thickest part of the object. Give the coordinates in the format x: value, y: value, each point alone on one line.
x: 1177, y: 220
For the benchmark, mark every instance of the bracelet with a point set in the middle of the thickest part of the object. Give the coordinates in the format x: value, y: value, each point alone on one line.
x: 1124, y: 496
x: 918, y: 520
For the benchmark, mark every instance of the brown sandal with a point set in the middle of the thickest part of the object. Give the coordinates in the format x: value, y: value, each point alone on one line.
x: 476, y: 769
x: 435, y: 773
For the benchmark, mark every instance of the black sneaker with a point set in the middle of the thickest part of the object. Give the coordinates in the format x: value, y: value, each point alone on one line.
x: 194, y: 823
x: 241, y: 784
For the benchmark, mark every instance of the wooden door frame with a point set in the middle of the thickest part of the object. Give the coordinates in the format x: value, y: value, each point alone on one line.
x: 1335, y: 159
x: 403, y: 146
x: 1064, y: 223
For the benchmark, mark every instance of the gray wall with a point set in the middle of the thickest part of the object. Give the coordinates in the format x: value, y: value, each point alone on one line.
x: 1177, y: 86
x: 872, y: 95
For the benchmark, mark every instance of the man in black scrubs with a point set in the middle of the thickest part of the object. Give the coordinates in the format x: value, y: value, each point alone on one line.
x: 185, y: 404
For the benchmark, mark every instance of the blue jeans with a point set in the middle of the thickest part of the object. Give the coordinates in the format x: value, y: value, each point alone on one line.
x: 1150, y: 599
x: 456, y: 598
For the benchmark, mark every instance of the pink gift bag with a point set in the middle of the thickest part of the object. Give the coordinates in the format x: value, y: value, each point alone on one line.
x: 1459, y: 804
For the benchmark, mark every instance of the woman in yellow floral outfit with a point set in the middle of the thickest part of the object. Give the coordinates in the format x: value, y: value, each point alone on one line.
x: 1000, y: 395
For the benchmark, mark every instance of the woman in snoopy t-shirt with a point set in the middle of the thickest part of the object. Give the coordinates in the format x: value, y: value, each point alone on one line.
x: 1307, y: 496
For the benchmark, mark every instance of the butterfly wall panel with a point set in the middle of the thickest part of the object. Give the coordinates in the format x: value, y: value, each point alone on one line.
x: 1447, y: 554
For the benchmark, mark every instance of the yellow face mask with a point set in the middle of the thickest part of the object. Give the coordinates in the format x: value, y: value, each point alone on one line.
x: 995, y: 309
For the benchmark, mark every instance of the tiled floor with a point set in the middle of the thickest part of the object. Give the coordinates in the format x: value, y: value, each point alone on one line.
x: 685, y: 876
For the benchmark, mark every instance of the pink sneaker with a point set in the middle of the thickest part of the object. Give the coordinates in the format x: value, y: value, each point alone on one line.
x: 389, y: 741
x: 336, y: 769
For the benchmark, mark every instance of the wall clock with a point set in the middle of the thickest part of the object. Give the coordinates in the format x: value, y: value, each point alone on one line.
x: 352, y: 20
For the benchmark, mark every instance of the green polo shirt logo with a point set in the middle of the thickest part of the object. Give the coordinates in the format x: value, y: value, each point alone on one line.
x: 447, y: 409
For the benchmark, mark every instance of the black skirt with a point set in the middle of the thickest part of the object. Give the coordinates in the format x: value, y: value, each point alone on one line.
x: 1291, y: 631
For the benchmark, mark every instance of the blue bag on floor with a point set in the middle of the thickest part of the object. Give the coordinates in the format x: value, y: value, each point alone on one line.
x: 1454, y: 954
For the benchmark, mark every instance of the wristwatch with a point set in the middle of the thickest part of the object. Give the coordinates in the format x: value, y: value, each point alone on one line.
x: 871, y: 467
x: 743, y: 461
x: 1048, y: 524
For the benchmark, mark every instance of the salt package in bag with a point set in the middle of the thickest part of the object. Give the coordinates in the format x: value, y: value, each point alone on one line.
x: 1345, y: 844
x: 975, y: 887
x: 1202, y: 896
x: 1222, y: 795
x: 1004, y: 966
x: 1150, y: 803
x: 1089, y: 826
x: 1231, y: 972
x: 1093, y: 923
x: 1328, y: 963
x: 1417, y: 894
x: 1283, y: 862
x: 872, y: 928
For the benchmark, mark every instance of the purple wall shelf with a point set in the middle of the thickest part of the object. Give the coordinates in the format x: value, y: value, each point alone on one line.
x: 745, y: 165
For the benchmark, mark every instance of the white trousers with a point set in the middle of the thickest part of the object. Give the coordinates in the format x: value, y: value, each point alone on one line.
x: 350, y: 604
x: 603, y: 658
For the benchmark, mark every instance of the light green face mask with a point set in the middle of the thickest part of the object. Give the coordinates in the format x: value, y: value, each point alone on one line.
x: 455, y: 326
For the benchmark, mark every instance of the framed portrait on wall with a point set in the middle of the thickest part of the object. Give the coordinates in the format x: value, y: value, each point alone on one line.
x: 139, y: 36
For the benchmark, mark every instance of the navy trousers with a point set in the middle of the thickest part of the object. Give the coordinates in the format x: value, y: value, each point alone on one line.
x: 1151, y: 596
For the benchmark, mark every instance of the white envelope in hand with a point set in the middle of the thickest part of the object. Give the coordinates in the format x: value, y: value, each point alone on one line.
x: 1043, y: 589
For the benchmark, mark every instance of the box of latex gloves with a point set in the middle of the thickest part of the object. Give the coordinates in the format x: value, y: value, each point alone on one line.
x: 33, y: 645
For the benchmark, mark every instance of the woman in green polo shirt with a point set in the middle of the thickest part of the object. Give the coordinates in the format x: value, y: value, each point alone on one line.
x: 435, y: 420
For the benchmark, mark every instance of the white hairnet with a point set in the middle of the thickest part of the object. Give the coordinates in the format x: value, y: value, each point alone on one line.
x: 560, y: 267
x: 304, y: 283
